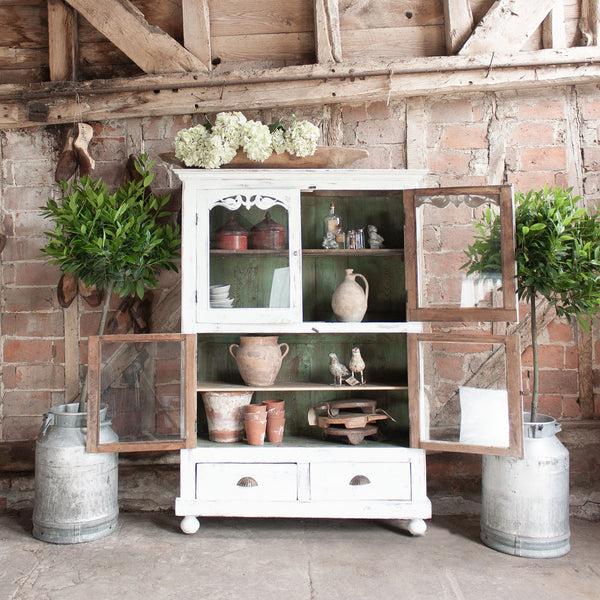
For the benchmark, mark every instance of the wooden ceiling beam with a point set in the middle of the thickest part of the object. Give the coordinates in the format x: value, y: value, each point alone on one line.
x: 149, y: 47
x: 328, y: 38
x: 62, y: 41
x: 458, y: 21
x: 309, y: 85
x: 553, y: 27
x: 589, y: 22
x: 196, y: 30
x: 507, y: 26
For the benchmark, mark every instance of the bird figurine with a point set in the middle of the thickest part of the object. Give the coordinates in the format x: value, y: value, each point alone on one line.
x: 337, y: 369
x: 357, y: 364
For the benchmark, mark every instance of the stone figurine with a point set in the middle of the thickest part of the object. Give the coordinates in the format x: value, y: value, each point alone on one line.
x: 375, y: 240
x: 357, y: 364
x: 337, y: 369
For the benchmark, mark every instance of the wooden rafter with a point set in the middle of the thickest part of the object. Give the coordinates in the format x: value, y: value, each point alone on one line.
x: 327, y: 31
x: 147, y: 46
x: 458, y: 20
x: 196, y: 30
x: 62, y: 41
x: 589, y: 22
x: 553, y: 27
x: 308, y: 85
x: 507, y: 26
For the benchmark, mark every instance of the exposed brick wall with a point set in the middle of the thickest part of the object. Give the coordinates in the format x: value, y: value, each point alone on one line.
x: 529, y: 139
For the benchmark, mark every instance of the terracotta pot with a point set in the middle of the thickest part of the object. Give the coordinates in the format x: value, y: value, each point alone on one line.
x: 259, y: 358
x: 275, y: 427
x: 255, y: 431
x: 274, y: 403
x: 255, y: 412
x: 224, y: 413
x: 349, y: 301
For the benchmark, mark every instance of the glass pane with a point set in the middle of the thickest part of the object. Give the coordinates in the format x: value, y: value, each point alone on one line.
x: 142, y: 384
x: 446, y: 227
x: 463, y: 393
x: 249, y: 259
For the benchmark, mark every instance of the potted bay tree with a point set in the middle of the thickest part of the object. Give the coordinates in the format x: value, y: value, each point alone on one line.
x: 525, y: 502
x: 114, y: 243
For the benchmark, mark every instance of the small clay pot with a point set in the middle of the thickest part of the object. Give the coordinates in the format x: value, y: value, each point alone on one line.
x: 255, y: 431
x: 275, y: 427
x: 274, y: 403
x: 255, y: 408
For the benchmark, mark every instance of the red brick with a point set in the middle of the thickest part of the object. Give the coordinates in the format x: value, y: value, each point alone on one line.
x: 551, y: 356
x: 26, y: 198
x: 590, y: 107
x: 591, y: 158
x: 536, y: 159
x: 26, y: 403
x: 449, y: 161
x: 36, y: 377
x: 533, y: 133
x: 532, y: 180
x: 352, y: 114
x: 571, y: 408
x: 549, y: 404
x: 559, y: 331
x: 540, y: 107
x: 38, y: 324
x: 379, y: 111
x: 451, y: 111
x: 464, y: 137
x: 558, y: 381
x: 27, y: 351
x: 17, y: 429
x: 33, y: 273
x: 447, y: 367
x: 26, y: 144
x: 17, y: 299
x: 381, y: 132
x: 23, y: 248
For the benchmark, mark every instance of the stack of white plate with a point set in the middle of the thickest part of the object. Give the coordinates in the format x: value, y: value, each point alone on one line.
x: 219, y: 296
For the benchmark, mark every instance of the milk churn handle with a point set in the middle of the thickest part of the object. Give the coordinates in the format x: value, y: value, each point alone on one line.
x: 47, y: 421
x: 557, y: 427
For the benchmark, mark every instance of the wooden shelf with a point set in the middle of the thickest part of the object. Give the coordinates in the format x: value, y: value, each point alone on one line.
x: 381, y: 252
x: 296, y: 386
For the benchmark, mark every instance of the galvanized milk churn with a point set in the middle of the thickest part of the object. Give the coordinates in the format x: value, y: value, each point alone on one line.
x: 75, y: 491
x: 525, y: 502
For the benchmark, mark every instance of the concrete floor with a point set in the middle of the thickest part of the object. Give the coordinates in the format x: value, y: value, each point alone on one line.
x: 275, y: 559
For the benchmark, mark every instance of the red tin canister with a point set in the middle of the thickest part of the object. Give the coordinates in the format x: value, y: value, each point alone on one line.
x: 267, y: 235
x: 232, y: 236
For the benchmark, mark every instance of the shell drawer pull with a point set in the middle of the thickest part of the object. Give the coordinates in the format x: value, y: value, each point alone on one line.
x: 360, y: 480
x: 247, y: 482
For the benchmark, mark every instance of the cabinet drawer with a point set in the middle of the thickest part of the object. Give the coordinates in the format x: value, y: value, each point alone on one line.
x: 360, y: 481
x: 241, y: 481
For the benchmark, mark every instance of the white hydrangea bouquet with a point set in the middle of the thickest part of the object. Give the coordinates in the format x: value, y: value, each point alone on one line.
x: 210, y: 146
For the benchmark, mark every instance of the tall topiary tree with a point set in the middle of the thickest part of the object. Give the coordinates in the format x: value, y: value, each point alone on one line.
x: 116, y: 242
x: 557, y: 254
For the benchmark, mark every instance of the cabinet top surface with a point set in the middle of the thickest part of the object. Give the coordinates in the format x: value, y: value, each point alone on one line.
x: 305, y: 179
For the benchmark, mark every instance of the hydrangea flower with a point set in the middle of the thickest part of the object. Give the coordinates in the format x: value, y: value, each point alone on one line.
x: 256, y: 141
x: 301, y: 138
x: 210, y: 146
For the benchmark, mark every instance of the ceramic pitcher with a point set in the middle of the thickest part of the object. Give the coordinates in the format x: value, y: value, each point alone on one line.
x: 349, y: 301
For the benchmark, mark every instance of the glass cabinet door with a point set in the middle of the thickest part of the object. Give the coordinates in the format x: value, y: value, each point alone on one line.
x: 141, y: 392
x: 248, y: 256
x: 464, y: 393
x: 444, y: 228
